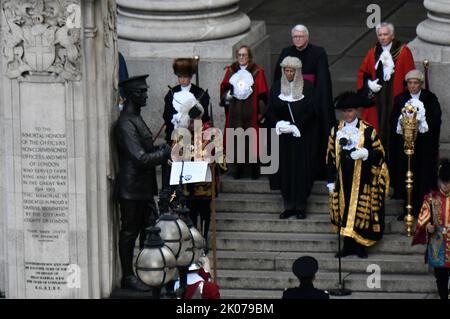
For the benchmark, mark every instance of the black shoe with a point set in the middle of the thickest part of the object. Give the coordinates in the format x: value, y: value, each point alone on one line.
x: 132, y: 282
x: 362, y: 253
x: 401, y: 217
x: 301, y: 215
x: 255, y: 172
x: 237, y: 172
x: 286, y: 214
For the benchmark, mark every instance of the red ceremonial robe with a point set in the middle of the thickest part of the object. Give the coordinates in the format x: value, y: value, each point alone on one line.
x: 260, y: 91
x: 404, y: 63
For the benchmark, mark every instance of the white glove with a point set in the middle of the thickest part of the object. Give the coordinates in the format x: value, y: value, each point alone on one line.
x: 294, y: 130
x: 286, y: 129
x: 361, y: 153
x: 374, y: 86
x: 282, y: 127
x: 330, y: 187
x: 228, y: 96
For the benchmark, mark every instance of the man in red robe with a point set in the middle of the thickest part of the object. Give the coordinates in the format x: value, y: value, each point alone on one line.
x: 245, y: 111
x: 381, y: 77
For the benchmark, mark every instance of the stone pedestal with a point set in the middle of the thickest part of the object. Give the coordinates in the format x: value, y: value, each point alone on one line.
x: 58, y: 85
x: 153, y: 33
x: 433, y: 43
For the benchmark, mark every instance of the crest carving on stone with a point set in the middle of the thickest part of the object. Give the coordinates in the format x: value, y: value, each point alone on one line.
x: 110, y: 24
x: 42, y: 37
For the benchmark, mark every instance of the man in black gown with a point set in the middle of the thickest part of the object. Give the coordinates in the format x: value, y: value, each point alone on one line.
x: 315, y: 70
x: 291, y: 111
x: 184, y: 69
x: 425, y: 158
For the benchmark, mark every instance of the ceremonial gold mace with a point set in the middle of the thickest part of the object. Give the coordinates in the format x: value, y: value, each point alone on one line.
x: 409, y: 128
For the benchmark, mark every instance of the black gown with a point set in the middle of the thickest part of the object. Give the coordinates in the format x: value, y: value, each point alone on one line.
x: 315, y: 62
x: 358, y: 199
x: 295, y: 173
x: 425, y: 159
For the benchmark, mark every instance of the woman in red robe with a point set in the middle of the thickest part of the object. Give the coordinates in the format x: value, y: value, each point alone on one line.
x: 245, y: 111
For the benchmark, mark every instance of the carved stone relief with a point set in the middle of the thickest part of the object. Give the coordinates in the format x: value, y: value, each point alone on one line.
x: 42, y: 37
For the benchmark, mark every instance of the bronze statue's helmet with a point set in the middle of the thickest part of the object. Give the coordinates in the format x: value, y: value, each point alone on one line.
x: 133, y: 84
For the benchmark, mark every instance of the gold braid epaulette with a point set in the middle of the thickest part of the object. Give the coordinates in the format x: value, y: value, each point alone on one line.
x: 397, y: 52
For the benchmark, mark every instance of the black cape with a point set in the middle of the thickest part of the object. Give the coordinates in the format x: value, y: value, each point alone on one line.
x: 169, y: 110
x: 315, y: 61
x: 295, y: 173
x: 425, y: 159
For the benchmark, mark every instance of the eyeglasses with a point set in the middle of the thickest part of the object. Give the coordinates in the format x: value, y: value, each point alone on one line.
x: 298, y: 36
x: 242, y: 54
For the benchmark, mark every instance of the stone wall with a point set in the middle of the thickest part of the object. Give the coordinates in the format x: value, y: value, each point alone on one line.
x: 58, y: 86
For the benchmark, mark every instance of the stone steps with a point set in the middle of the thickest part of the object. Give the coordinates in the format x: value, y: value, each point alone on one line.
x: 270, y: 203
x: 260, y: 186
x: 256, y: 249
x: 276, y: 294
x: 306, y: 243
x: 269, y: 222
x: 282, y: 261
x: 260, y: 279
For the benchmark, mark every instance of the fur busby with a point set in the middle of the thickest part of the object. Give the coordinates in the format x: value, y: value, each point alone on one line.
x: 351, y: 100
x: 185, y: 66
x: 444, y: 170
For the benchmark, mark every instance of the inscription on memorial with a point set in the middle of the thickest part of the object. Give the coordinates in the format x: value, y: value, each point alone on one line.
x: 45, y: 191
x: 44, y: 180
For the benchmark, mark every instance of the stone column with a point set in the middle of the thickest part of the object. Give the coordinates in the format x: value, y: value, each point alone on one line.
x: 58, y: 86
x: 152, y: 33
x: 433, y: 43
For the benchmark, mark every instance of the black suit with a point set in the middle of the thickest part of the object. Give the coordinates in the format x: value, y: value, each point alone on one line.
x: 305, y: 291
x: 136, y: 180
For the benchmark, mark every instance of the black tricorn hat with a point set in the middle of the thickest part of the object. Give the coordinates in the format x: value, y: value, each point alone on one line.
x: 305, y: 267
x: 444, y: 170
x: 184, y: 66
x: 351, y: 100
x: 133, y: 83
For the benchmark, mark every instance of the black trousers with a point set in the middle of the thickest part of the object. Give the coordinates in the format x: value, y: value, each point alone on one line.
x: 294, y: 203
x: 351, y: 246
x: 442, y: 275
x: 200, y: 207
x: 135, y: 216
